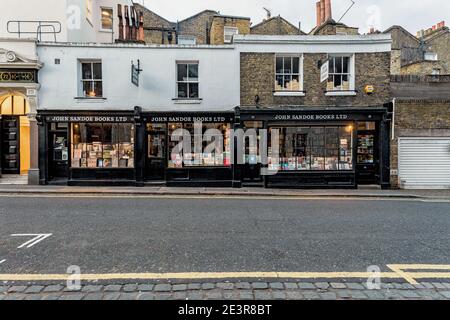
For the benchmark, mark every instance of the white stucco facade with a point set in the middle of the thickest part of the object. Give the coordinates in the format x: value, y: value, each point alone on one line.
x: 60, y: 83
x: 73, y: 20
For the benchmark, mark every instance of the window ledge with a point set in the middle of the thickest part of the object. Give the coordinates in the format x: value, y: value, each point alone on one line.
x: 90, y: 99
x: 187, y: 101
x: 340, y: 93
x: 289, y: 94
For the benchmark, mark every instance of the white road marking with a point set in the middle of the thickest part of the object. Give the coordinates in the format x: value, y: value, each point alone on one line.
x: 36, y: 239
x: 1, y: 261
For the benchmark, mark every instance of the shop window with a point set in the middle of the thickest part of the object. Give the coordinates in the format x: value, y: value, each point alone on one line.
x: 96, y: 145
x: 202, y: 158
x: 91, y: 79
x: 313, y: 148
x: 288, y: 75
x: 229, y: 33
x: 187, y: 81
x: 107, y: 19
x: 340, y: 77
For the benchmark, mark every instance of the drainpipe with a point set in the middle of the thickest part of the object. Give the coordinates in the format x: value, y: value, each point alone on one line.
x: 393, y: 119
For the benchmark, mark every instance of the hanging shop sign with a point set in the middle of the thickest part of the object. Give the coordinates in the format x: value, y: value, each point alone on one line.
x: 135, y: 72
x: 23, y: 76
x: 324, y: 72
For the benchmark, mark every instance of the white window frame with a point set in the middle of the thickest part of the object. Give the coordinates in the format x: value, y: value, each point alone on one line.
x: 283, y: 92
x: 187, y: 38
x: 351, y: 76
x: 232, y: 32
x: 188, y: 81
x: 101, y: 19
x: 431, y: 56
x: 91, y: 80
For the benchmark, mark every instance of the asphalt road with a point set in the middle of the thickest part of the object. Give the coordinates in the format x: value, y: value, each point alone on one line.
x: 220, y: 235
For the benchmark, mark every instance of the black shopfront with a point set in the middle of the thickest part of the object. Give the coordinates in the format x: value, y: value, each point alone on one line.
x: 160, y: 165
x: 87, y: 148
x: 319, y: 147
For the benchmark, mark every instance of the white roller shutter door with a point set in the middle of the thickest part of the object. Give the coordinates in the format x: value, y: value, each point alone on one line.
x: 424, y: 163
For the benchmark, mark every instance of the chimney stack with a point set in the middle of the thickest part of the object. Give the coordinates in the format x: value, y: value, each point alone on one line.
x: 328, y: 15
x: 322, y: 11
x: 318, y: 13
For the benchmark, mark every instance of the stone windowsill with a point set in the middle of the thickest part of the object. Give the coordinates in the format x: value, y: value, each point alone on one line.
x: 289, y: 94
x: 90, y: 99
x: 350, y: 93
x: 187, y: 101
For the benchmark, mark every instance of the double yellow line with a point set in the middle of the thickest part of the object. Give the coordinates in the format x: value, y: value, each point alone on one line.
x: 398, y: 272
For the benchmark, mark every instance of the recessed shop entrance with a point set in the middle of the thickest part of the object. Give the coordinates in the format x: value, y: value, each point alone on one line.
x: 368, y: 154
x: 15, y: 135
x: 156, y: 152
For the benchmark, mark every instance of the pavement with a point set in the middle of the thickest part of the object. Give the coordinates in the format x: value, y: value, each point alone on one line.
x: 229, y: 291
x: 364, y: 192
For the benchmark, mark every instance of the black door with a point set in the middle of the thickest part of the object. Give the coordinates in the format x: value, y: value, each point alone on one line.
x: 368, y: 159
x: 10, y: 130
x: 156, y: 154
x: 58, y: 155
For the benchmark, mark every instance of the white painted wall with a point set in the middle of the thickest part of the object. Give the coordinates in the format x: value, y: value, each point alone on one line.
x: 218, y: 76
x: 76, y: 24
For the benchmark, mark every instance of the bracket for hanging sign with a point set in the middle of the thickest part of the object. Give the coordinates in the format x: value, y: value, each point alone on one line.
x: 135, y: 72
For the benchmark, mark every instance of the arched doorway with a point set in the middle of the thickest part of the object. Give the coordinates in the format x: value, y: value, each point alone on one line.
x: 15, y: 135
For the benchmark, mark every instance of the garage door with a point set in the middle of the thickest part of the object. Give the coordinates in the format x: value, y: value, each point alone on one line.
x: 424, y: 163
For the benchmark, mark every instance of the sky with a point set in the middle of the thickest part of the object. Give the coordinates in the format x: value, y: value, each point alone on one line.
x: 413, y: 15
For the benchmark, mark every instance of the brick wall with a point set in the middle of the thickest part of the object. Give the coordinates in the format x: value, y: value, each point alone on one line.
x: 220, y: 22
x: 424, y: 68
x: 258, y: 78
x: 275, y: 26
x: 153, y: 21
x: 418, y: 118
x: 197, y: 26
x: 441, y: 46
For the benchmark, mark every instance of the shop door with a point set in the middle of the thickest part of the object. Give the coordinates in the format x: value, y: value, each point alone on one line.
x: 156, y: 153
x: 58, y: 155
x: 10, y: 146
x: 368, y: 159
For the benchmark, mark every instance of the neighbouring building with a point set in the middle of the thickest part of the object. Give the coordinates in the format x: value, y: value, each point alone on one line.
x: 21, y: 26
x: 205, y: 27
x: 276, y: 26
x: 420, y: 82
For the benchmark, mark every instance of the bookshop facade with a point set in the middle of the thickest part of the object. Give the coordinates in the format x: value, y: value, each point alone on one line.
x: 87, y: 148
x: 320, y: 147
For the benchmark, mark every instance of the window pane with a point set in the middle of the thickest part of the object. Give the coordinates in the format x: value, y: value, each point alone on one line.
x: 193, y: 72
x: 98, y: 88
x: 337, y: 82
x: 107, y: 16
x: 87, y: 88
x: 338, y: 65
x: 295, y: 83
x: 279, y: 67
x: 346, y: 65
x: 182, y: 72
x: 86, y: 70
x: 345, y: 83
x: 287, y: 83
x: 193, y: 90
x: 332, y: 70
x: 182, y: 90
x: 296, y: 65
x: 279, y: 83
x: 97, y: 67
x: 287, y: 65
